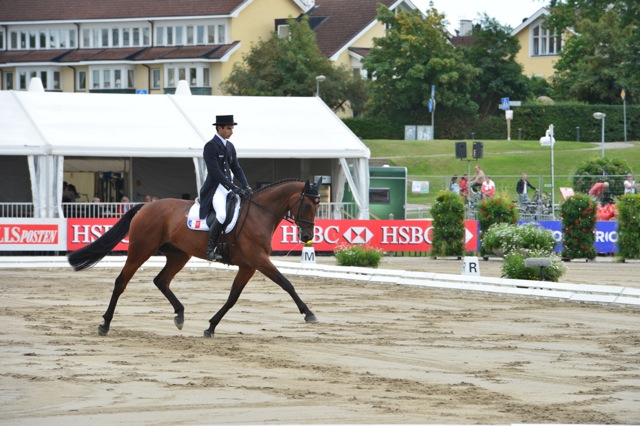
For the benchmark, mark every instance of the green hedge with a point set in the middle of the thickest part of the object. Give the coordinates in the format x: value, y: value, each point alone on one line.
x: 532, y: 119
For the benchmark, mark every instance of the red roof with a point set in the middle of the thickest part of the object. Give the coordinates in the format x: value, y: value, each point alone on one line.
x: 70, y: 10
x: 344, y: 20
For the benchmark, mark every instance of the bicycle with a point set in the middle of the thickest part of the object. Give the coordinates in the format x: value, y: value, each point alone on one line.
x: 539, y: 207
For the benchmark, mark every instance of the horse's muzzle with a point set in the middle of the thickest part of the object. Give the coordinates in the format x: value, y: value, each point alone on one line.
x: 305, y: 236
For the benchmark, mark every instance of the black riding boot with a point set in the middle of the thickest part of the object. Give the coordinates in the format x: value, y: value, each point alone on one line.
x: 214, y: 234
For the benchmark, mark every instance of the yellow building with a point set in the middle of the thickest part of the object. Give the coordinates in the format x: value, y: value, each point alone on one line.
x: 144, y: 46
x: 540, y: 46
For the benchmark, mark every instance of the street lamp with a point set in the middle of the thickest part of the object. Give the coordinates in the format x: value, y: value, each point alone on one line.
x: 601, y: 116
x: 319, y: 79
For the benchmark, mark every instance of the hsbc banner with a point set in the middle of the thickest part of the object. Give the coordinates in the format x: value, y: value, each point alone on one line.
x: 82, y: 232
x: 32, y: 234
x: 388, y: 235
x: 606, y: 234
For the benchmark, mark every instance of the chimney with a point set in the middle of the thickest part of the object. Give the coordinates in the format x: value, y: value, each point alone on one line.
x: 465, y: 27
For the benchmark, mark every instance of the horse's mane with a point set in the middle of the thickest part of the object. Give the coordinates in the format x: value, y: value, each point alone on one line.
x: 277, y: 183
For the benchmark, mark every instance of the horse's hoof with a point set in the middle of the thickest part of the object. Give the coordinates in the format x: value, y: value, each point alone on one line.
x: 102, y: 330
x: 178, y: 320
x: 208, y: 333
x: 311, y: 318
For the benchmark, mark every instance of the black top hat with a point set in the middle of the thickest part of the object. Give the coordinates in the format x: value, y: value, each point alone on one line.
x: 224, y: 120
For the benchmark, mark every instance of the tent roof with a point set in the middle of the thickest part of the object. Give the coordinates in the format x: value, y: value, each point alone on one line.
x: 126, y: 125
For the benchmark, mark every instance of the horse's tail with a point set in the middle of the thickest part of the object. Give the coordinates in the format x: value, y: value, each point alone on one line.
x: 88, y: 256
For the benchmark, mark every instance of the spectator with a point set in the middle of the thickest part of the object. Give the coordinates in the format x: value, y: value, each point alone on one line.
x: 478, y: 179
x: 488, y: 188
x: 464, y: 185
x: 598, y: 189
x: 630, y: 185
x: 154, y: 198
x: 124, y: 206
x: 454, y: 186
x: 147, y: 198
x: 521, y: 189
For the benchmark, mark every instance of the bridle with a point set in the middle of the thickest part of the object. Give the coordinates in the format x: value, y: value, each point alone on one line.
x: 312, y: 195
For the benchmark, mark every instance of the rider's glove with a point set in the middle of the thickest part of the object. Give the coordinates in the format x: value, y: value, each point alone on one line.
x: 246, y: 192
x: 236, y: 190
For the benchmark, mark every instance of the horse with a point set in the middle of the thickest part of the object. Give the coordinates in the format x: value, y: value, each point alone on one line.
x: 161, y: 227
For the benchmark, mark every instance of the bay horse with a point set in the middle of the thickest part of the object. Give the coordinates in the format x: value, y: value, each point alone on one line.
x: 161, y: 226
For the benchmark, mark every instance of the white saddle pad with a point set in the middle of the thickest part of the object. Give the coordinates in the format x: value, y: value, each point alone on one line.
x: 197, y: 224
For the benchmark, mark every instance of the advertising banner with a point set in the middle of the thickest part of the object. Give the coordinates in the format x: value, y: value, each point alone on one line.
x: 82, y: 232
x: 606, y: 234
x: 28, y: 234
x: 388, y: 235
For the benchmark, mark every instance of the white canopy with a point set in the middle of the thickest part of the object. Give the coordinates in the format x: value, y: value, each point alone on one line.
x: 125, y: 125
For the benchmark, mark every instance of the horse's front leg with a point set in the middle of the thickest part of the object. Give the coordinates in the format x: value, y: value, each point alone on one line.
x: 242, y: 278
x: 270, y: 270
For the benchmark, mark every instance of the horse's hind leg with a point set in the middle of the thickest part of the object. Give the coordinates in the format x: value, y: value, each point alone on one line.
x: 175, y: 262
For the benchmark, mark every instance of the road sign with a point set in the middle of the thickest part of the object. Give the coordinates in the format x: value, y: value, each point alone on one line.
x: 433, y: 91
x: 141, y: 92
x: 504, y: 103
x: 430, y: 105
x: 622, y: 94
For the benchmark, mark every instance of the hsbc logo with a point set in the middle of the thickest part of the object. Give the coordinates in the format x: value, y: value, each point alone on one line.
x: 358, y: 235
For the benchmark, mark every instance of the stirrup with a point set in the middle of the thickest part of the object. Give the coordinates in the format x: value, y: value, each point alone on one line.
x: 213, y: 256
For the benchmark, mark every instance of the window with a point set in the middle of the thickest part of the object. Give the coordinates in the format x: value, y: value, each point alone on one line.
x: 8, y: 81
x: 126, y: 39
x: 50, y: 78
x: 86, y: 38
x: 112, y: 78
x: 545, y: 41
x: 200, y: 34
x: 146, y: 32
x: 1, y: 39
x: 190, y: 35
x: 13, y: 43
x: 136, y: 37
x: 82, y: 80
x: 115, y: 36
x: 160, y: 36
x: 196, y: 75
x: 221, y: 34
x: 155, y: 78
x: 179, y: 39
x: 379, y: 196
x: 283, y: 31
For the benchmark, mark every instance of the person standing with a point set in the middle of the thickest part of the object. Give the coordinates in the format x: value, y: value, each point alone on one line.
x: 464, y: 185
x: 222, y: 166
x: 454, y: 186
x: 521, y: 188
x: 630, y: 185
x: 488, y: 188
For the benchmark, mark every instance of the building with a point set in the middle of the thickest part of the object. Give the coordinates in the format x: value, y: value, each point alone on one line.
x: 540, y: 46
x: 144, y: 46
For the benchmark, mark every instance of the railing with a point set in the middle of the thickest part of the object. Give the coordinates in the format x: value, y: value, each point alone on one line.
x: 102, y: 210
x: 417, y: 212
x: 16, y: 209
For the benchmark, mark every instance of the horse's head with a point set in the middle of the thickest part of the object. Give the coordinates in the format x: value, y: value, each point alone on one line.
x: 309, y: 202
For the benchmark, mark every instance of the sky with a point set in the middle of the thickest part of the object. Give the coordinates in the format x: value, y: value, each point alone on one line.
x: 507, y: 12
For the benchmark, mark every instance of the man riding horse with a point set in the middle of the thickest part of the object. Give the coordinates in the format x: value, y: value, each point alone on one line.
x: 218, y: 189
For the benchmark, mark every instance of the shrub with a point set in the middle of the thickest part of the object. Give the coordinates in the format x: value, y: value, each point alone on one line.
x: 528, y: 238
x: 513, y: 267
x: 578, y: 224
x: 448, y: 225
x: 612, y: 170
x: 629, y: 226
x: 358, y: 255
x: 498, y: 209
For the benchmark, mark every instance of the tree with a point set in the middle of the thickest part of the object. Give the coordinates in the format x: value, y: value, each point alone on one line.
x: 602, y: 57
x: 288, y: 66
x: 414, y: 55
x: 493, y: 51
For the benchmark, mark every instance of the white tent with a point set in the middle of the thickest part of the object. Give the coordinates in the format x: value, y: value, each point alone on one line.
x: 47, y: 127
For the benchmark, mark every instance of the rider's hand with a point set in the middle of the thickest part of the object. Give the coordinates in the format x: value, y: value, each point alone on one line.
x: 236, y: 190
x: 246, y: 192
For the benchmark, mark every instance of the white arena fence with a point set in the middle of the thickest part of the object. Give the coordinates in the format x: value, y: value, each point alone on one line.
x: 604, y: 294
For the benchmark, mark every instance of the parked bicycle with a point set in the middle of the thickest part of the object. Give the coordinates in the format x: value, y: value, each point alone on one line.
x: 538, y: 207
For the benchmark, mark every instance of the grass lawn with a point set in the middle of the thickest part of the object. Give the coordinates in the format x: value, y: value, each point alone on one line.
x: 504, y: 161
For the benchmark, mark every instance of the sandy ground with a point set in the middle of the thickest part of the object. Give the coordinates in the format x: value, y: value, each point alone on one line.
x: 381, y: 353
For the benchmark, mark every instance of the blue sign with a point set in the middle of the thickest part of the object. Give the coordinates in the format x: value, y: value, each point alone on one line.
x: 430, y: 105
x: 141, y: 92
x: 504, y: 104
x: 606, y: 234
x: 433, y: 91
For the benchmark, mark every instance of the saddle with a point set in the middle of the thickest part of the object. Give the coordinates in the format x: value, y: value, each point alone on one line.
x: 196, y: 223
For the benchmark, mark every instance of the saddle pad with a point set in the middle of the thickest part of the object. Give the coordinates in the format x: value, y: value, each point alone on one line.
x: 194, y: 222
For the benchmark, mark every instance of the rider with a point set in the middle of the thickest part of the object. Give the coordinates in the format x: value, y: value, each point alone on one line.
x: 218, y: 188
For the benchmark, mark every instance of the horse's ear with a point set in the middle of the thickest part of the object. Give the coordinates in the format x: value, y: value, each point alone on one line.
x: 319, y: 182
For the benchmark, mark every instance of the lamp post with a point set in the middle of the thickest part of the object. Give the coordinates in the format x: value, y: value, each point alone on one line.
x: 319, y: 79
x: 601, y: 116
x: 549, y: 140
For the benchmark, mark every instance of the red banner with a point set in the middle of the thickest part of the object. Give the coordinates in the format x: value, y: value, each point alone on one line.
x: 388, y: 235
x: 82, y: 232
x: 29, y: 234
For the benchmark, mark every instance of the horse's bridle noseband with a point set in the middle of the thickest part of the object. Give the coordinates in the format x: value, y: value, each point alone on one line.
x: 315, y: 199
